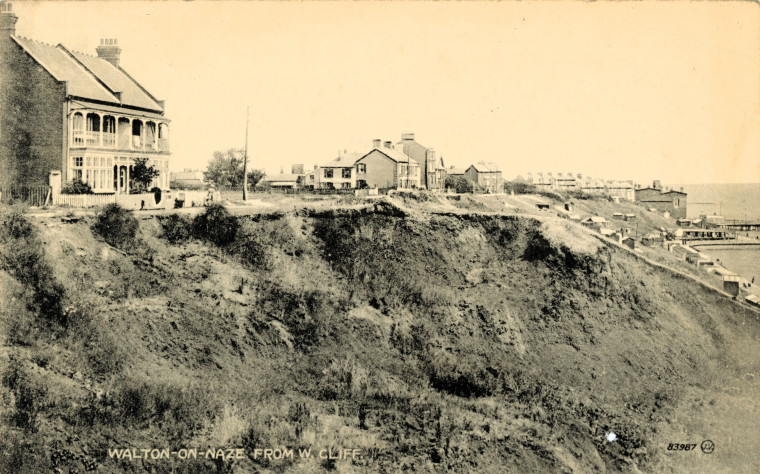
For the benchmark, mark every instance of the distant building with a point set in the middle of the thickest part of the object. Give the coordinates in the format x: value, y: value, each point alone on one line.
x: 621, y: 189
x: 455, y: 171
x: 595, y: 222
x: 188, y: 177
x: 565, y: 182
x: 340, y: 173
x: 672, y: 202
x: 487, y: 177
x: 283, y: 181
x: 68, y: 115
x: 432, y: 170
x: 386, y: 167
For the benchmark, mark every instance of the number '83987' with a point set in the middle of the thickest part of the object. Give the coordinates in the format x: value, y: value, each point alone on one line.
x: 681, y: 447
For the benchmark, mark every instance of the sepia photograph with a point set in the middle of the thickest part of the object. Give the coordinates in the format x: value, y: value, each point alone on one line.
x: 379, y: 237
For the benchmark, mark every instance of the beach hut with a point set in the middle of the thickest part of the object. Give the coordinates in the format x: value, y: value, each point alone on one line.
x: 595, y: 222
x: 754, y: 300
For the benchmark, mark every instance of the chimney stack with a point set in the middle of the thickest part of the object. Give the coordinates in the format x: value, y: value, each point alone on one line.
x: 388, y: 145
x: 656, y: 184
x: 407, y: 136
x: 109, y: 50
x: 377, y: 143
x: 8, y: 19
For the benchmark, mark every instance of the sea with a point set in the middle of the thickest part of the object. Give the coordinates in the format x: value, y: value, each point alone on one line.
x: 732, y: 201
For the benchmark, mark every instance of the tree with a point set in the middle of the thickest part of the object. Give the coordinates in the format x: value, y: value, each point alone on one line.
x: 226, y: 170
x: 459, y: 183
x: 142, y: 175
x: 254, y: 176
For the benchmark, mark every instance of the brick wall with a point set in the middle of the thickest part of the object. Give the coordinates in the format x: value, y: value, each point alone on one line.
x: 381, y: 170
x: 31, y: 118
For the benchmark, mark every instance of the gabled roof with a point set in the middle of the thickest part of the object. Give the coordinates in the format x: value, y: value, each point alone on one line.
x: 482, y: 168
x: 409, y: 147
x: 393, y: 154
x: 64, y: 68
x: 89, y: 77
x: 345, y: 161
x: 595, y: 219
x: 116, y: 79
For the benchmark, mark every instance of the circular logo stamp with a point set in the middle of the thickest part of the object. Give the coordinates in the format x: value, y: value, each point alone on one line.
x: 707, y: 446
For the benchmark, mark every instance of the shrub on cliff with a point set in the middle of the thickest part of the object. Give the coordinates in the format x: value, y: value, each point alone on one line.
x: 176, y: 228
x: 216, y: 225
x: 23, y: 256
x: 116, y: 225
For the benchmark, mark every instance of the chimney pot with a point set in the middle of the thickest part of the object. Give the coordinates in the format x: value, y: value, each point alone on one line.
x: 8, y: 19
x: 388, y: 144
x: 109, y: 50
x: 377, y: 143
x: 407, y: 136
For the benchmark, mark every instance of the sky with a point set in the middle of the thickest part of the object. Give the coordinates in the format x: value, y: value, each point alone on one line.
x: 633, y: 90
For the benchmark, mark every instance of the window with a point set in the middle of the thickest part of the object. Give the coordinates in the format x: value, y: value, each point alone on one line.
x: 347, y: 173
x: 78, y: 123
x: 77, y: 161
x: 77, y: 126
x: 346, y: 185
x: 93, y: 123
x: 361, y: 167
x: 328, y: 173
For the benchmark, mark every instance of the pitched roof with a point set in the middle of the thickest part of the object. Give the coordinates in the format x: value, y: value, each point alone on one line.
x: 482, y: 168
x: 455, y: 170
x: 344, y: 161
x: 132, y: 93
x: 64, y: 68
x: 393, y: 154
x: 282, y: 178
x: 89, y: 77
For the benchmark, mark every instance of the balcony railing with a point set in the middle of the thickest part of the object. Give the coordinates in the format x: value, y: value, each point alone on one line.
x: 93, y: 138
x: 81, y: 138
x: 109, y: 140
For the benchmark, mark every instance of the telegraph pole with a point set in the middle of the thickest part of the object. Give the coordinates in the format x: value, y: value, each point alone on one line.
x: 245, y: 155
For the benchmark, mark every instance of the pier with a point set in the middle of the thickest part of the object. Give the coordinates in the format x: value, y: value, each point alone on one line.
x: 740, y: 225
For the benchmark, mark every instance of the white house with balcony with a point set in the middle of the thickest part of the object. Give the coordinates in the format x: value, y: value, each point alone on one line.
x: 85, y: 117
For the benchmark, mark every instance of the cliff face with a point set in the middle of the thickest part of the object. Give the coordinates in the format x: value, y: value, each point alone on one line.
x: 461, y: 342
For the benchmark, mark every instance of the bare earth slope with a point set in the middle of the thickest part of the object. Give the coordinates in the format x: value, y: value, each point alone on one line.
x: 433, y: 341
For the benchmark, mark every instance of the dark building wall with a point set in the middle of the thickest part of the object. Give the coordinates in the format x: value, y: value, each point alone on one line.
x: 672, y: 202
x: 647, y: 194
x: 381, y: 170
x: 31, y: 118
x: 678, y: 201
